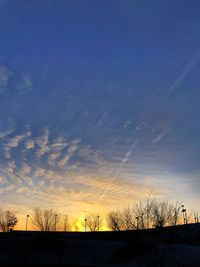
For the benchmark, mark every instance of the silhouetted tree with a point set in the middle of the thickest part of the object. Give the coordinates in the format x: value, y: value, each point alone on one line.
x: 7, y: 220
x: 65, y: 221
x: 128, y: 219
x: 176, y: 213
x: 115, y: 221
x: 161, y: 213
x: 45, y: 219
x: 145, y: 214
x: 143, y: 210
x: 93, y: 222
x: 121, y: 220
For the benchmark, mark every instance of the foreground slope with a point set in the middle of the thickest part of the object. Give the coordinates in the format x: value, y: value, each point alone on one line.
x: 170, y: 246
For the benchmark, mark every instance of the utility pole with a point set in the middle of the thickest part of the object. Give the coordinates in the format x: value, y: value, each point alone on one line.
x: 55, y: 221
x: 185, y: 219
x: 27, y: 216
x: 85, y: 224
x: 142, y: 220
x: 137, y: 219
x: 98, y: 223
x: 65, y: 223
x: 196, y: 217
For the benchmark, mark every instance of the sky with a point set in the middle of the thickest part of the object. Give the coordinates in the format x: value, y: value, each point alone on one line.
x: 99, y: 104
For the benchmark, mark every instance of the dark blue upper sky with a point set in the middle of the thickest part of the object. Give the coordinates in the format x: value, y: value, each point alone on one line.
x: 108, y: 89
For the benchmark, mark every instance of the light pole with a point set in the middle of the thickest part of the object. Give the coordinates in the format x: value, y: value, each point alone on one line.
x: 98, y: 223
x: 65, y: 223
x: 196, y: 217
x: 137, y: 219
x: 85, y: 224
x: 184, y: 215
x: 183, y: 212
x: 27, y: 216
x: 186, y: 219
x: 55, y: 221
x: 142, y: 220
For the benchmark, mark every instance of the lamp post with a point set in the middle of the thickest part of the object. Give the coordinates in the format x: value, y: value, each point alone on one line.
x: 137, y: 219
x: 142, y: 220
x: 183, y: 212
x: 98, y: 223
x: 184, y: 215
x: 27, y: 216
x: 186, y: 219
x: 55, y: 221
x: 85, y: 224
x: 196, y: 217
x: 65, y: 223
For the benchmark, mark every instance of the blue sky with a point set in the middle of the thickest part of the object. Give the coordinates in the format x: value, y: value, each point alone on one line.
x: 99, y: 101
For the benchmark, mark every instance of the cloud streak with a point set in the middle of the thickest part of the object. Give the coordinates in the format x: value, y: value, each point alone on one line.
x: 188, y: 67
x: 5, y: 74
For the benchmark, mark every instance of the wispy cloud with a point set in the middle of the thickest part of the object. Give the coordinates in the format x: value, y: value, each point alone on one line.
x: 56, y: 149
x: 160, y: 136
x: 66, y: 173
x: 30, y: 144
x: 188, y: 67
x: 7, y: 188
x: 5, y: 74
x: 10, y: 167
x: 72, y: 147
x: 5, y: 132
x: 22, y: 190
x: 26, y: 84
x: 43, y: 143
x: 14, y: 142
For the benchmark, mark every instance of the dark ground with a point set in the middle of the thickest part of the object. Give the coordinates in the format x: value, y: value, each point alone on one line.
x: 170, y: 246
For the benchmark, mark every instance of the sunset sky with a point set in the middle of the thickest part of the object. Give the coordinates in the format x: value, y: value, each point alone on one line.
x: 99, y: 104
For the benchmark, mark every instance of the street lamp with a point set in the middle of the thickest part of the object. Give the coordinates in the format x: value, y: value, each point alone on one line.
x: 137, y: 219
x: 142, y: 220
x: 98, y: 222
x: 85, y: 224
x: 65, y: 223
x: 27, y: 216
x: 196, y: 217
x: 55, y: 221
x: 184, y: 215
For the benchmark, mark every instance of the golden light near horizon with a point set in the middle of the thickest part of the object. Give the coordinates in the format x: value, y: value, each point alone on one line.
x: 97, y: 110
x: 108, y: 199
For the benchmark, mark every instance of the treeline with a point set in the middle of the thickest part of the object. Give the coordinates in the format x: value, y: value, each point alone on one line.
x: 149, y: 213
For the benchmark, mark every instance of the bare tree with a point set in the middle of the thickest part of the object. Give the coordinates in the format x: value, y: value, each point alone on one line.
x: 93, y: 222
x: 45, y: 219
x: 121, y: 220
x: 115, y: 221
x: 128, y: 219
x: 7, y: 220
x: 146, y: 214
x: 143, y: 211
x: 66, y: 224
x: 161, y: 213
x: 176, y: 213
x: 164, y: 213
